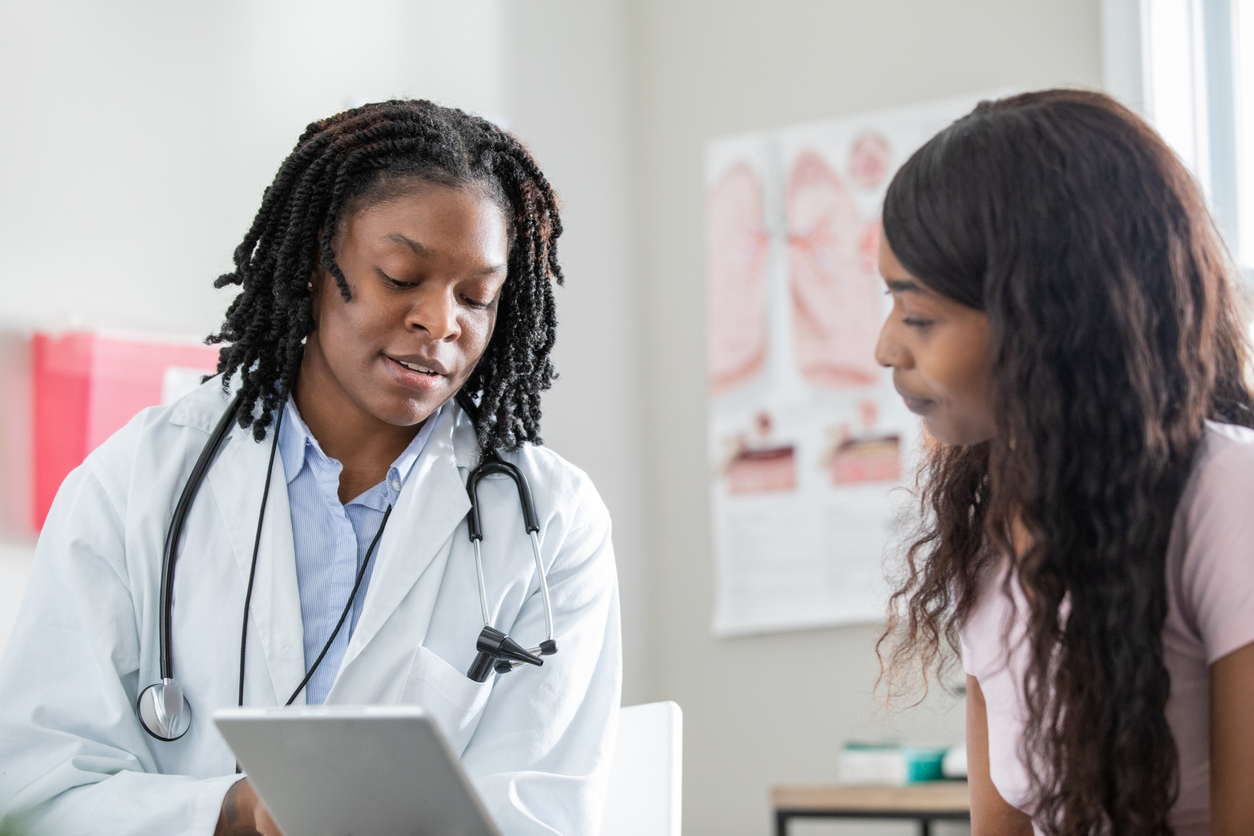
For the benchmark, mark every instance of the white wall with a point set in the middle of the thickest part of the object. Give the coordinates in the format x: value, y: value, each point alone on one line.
x: 139, y: 134
x: 775, y: 709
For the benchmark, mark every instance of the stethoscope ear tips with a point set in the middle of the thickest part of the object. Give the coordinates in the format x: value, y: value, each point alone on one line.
x: 164, y: 711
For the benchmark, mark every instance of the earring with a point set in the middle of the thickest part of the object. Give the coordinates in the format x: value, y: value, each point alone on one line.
x: 309, y: 286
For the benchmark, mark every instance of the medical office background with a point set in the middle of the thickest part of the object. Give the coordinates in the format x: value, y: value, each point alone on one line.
x: 137, y: 136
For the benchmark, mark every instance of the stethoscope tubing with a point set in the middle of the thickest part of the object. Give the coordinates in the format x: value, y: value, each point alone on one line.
x: 252, y: 566
x: 544, y: 588
x: 490, y: 466
x: 544, y: 584
x: 170, y: 692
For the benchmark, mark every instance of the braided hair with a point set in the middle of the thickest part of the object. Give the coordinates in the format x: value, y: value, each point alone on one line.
x: 364, y: 156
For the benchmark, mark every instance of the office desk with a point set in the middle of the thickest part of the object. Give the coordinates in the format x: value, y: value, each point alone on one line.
x: 924, y: 803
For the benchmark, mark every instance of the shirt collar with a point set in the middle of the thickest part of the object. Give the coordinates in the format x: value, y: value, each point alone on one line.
x: 405, y: 461
x: 296, y: 443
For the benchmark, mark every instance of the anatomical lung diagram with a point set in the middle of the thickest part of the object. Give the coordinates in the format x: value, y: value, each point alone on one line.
x: 736, y: 277
x: 836, y: 302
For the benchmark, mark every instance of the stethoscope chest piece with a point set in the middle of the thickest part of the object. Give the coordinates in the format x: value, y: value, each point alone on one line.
x: 497, y: 651
x: 164, y: 711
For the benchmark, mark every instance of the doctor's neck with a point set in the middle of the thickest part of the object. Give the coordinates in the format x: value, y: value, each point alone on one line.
x: 365, y: 448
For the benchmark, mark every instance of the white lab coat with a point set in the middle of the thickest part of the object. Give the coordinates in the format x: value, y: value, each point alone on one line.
x: 536, y: 742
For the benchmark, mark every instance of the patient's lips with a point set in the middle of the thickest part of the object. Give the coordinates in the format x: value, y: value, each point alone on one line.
x: 915, y: 403
x: 835, y: 296
x: 735, y: 252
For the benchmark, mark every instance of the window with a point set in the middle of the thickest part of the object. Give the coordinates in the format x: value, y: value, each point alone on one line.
x: 1179, y: 63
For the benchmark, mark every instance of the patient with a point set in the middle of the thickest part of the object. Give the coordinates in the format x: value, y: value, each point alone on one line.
x: 1064, y: 320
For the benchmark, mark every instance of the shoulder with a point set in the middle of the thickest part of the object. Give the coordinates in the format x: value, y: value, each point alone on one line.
x: 562, y: 492
x: 1211, y: 555
x: 1226, y: 454
x: 566, y: 502
x: 1222, y: 479
x: 559, y: 486
x: 155, y: 445
x: 575, y: 527
x: 132, y: 477
x: 1220, y: 490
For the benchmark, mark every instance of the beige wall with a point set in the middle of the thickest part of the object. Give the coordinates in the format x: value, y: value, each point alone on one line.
x: 567, y: 98
x: 776, y: 708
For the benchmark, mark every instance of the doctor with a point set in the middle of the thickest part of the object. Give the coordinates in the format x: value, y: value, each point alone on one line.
x: 403, y: 255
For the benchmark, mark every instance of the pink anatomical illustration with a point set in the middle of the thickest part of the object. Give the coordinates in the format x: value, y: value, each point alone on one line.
x: 836, y: 304
x: 735, y: 258
x: 761, y: 464
x: 864, y: 455
x: 869, y: 159
x: 869, y: 247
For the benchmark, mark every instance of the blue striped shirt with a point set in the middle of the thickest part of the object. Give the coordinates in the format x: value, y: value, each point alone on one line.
x: 331, y: 538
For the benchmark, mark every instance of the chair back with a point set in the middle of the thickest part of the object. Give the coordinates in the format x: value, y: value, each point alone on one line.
x: 646, y: 779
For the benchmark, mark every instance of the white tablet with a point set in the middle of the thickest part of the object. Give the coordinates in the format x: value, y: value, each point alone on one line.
x: 354, y: 771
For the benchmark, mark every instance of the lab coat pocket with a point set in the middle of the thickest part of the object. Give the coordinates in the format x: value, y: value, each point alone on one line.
x: 455, y: 700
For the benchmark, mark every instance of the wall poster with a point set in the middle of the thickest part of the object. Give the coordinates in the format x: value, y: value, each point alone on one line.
x: 807, y: 438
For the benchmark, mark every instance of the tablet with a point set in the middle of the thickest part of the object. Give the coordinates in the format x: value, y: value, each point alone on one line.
x: 354, y: 771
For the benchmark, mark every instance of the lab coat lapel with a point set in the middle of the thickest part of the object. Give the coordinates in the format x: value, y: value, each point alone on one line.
x: 429, y: 509
x: 238, y: 479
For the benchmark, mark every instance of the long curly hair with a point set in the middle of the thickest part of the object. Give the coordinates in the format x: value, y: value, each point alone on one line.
x: 1115, y: 335
x: 362, y: 156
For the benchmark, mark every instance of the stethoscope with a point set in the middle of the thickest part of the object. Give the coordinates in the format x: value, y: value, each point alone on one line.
x: 163, y: 709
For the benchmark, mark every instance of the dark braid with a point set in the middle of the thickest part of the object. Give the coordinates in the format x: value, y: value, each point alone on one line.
x: 368, y: 154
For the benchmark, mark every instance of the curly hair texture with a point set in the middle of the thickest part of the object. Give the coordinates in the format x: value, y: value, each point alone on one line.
x: 361, y: 157
x: 1115, y: 335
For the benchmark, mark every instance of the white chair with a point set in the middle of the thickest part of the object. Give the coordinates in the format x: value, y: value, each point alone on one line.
x: 646, y: 779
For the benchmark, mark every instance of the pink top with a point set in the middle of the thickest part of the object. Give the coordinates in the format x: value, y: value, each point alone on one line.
x: 1210, y: 593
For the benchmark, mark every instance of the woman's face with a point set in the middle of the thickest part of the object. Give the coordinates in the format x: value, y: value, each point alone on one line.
x: 425, y: 269
x: 939, y: 351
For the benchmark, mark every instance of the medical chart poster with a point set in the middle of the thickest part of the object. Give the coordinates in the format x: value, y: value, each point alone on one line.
x: 809, y: 445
